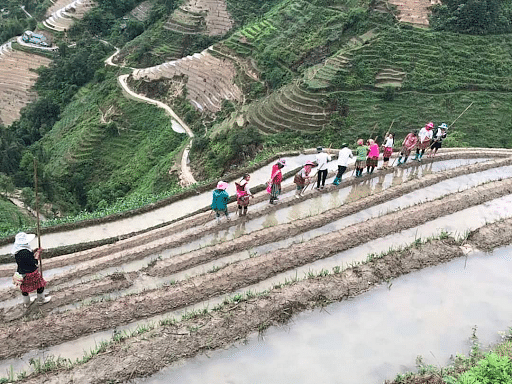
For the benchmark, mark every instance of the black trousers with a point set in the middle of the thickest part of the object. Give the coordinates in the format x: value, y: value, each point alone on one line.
x: 341, y: 171
x: 322, y: 175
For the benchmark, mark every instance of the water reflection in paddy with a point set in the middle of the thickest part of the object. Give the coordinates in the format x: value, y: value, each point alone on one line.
x: 373, y: 336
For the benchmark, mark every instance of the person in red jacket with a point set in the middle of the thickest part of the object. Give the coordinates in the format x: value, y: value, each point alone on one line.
x: 410, y: 142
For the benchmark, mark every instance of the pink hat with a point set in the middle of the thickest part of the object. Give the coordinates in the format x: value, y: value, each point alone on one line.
x: 222, y: 185
x: 309, y: 162
x: 282, y: 162
x: 429, y: 125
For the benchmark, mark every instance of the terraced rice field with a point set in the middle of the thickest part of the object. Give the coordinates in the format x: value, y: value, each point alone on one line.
x: 142, y: 11
x: 124, y: 301
x: 414, y: 12
x: 209, y: 80
x: 61, y: 19
x: 16, y: 81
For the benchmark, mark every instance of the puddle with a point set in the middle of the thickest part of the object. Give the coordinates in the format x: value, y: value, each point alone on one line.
x: 455, y: 223
x: 371, y: 338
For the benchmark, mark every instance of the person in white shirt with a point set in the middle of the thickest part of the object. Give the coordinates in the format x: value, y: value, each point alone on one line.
x: 344, y: 155
x: 322, y: 159
x: 388, y: 149
x: 424, y: 138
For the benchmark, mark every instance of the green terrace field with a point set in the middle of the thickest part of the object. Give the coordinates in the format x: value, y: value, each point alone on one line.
x: 11, y: 216
x: 434, y: 61
x: 122, y: 148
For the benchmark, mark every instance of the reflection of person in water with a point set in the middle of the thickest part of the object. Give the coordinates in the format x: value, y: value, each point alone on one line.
x: 240, y: 229
x: 380, y: 183
x: 270, y: 220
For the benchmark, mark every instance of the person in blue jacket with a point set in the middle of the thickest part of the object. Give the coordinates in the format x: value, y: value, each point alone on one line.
x: 220, y: 201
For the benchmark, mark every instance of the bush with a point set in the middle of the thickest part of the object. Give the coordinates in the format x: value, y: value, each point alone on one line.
x: 493, y: 369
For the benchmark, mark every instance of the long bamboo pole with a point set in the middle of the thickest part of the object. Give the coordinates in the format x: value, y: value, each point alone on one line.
x: 461, y: 114
x: 38, y: 221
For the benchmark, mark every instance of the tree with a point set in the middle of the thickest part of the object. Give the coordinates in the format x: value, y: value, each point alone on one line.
x: 475, y: 17
x: 6, y: 184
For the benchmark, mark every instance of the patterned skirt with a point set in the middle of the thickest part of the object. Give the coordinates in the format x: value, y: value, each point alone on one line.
x: 243, y: 201
x: 32, y: 282
x: 360, y: 163
x: 388, y: 151
x: 275, y: 191
x: 424, y: 145
x: 406, y: 151
x: 372, y: 161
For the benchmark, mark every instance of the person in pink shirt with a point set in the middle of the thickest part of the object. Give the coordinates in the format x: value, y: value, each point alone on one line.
x: 408, y: 145
x: 373, y: 156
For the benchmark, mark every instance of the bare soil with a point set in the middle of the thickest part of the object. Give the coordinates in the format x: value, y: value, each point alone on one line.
x: 124, y: 361
x: 16, y: 337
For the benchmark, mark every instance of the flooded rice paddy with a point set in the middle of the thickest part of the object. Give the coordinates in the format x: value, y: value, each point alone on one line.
x: 370, y: 338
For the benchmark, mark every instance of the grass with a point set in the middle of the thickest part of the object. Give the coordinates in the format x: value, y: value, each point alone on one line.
x: 12, y: 217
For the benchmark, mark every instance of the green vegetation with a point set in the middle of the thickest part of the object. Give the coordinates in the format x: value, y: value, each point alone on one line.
x: 12, y: 217
x: 476, y: 17
x: 14, y: 21
x: 117, y: 148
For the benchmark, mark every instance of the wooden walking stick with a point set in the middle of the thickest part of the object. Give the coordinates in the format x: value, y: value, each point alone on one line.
x: 37, y: 218
x: 461, y: 114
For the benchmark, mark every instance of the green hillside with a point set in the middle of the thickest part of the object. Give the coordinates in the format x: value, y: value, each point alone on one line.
x: 317, y: 72
x: 12, y: 217
x: 106, y: 147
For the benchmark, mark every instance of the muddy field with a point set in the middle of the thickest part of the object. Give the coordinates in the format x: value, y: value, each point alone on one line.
x: 100, y: 293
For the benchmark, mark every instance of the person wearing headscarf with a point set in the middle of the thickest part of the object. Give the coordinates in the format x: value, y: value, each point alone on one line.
x: 361, y: 154
x: 274, y: 184
x: 424, y: 138
x: 437, y: 141
x: 243, y: 193
x: 322, y: 159
x: 389, y: 142
x: 408, y: 145
x: 302, y: 177
x: 373, y: 156
x: 27, y: 275
x: 220, y: 201
x: 343, y: 156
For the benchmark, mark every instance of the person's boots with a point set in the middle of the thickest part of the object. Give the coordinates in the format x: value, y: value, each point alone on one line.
x: 336, y: 181
x: 42, y: 299
x: 245, y: 211
x: 403, y: 162
x: 417, y: 156
x: 399, y: 161
x: 240, y: 211
x: 26, y: 301
x: 420, y: 156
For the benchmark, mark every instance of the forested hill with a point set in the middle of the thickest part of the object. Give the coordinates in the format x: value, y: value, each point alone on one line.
x: 250, y: 77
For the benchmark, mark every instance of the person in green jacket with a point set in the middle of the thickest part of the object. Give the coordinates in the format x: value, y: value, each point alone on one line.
x: 220, y: 201
x: 361, y: 153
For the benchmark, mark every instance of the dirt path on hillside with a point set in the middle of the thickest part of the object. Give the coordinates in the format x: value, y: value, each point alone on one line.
x: 16, y: 337
x: 121, y: 362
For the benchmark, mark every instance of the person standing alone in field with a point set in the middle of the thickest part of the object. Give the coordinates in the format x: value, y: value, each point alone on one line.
x: 343, y: 156
x: 322, y: 159
x: 27, y: 276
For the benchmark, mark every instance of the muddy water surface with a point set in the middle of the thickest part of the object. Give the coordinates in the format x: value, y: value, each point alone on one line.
x: 372, y: 337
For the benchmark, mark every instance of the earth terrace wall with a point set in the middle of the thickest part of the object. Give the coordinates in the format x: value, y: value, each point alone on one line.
x: 17, y: 338
x: 141, y: 237
x: 150, y: 243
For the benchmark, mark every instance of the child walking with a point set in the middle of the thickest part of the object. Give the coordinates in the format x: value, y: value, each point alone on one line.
x: 220, y: 201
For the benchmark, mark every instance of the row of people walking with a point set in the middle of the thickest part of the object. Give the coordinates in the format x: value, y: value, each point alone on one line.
x: 366, y: 154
